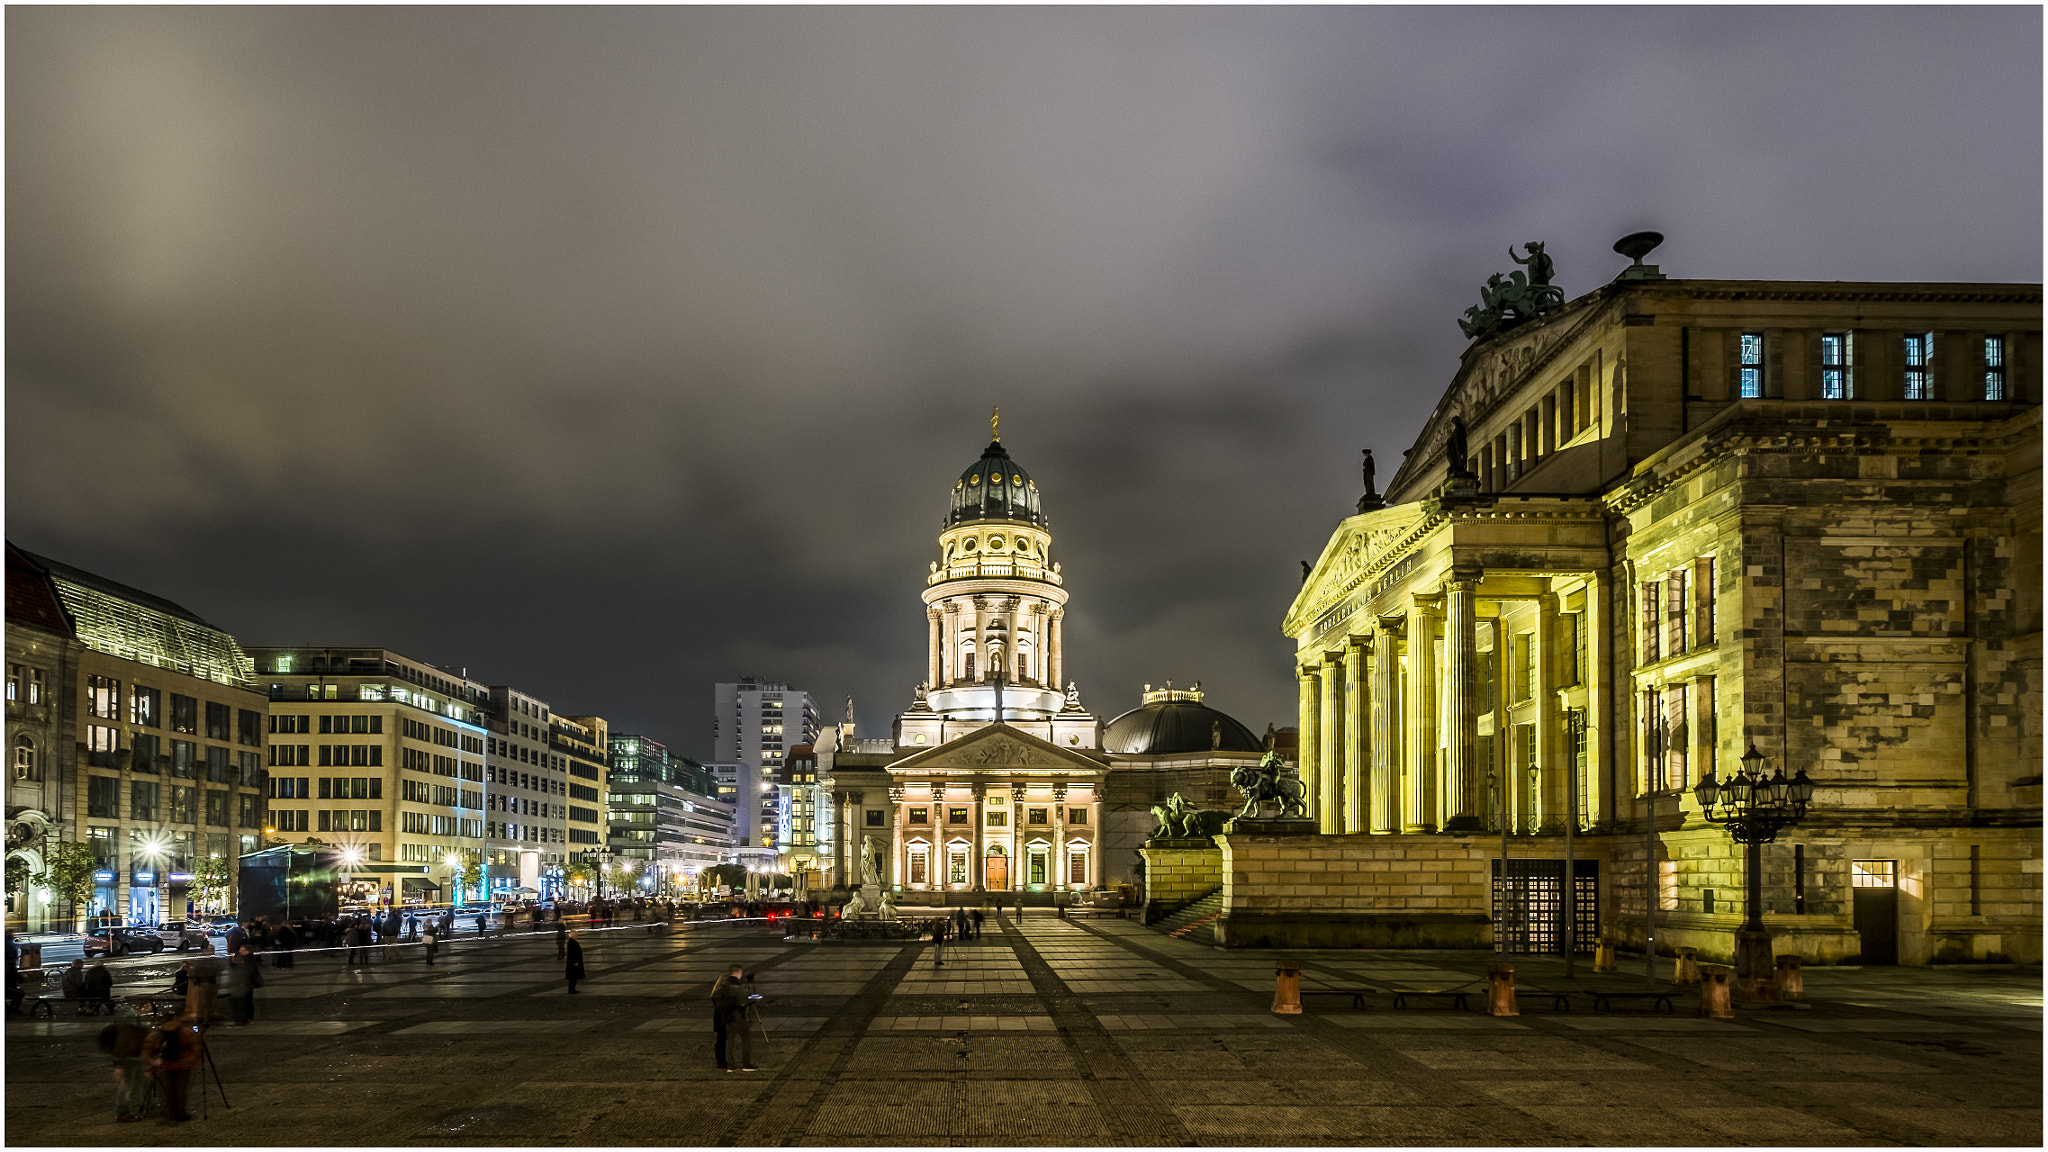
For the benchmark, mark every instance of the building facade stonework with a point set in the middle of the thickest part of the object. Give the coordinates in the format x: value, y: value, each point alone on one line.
x: 1667, y: 522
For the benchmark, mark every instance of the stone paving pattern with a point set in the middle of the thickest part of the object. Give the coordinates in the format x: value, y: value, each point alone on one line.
x: 1057, y: 1032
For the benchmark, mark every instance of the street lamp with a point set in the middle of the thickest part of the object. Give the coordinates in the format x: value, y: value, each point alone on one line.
x: 1754, y: 809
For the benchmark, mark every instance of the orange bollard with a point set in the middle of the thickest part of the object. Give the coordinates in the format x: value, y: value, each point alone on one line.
x: 1603, y: 956
x: 1687, y: 968
x: 1500, y: 991
x: 1790, y: 980
x: 1714, y: 993
x: 1287, y: 987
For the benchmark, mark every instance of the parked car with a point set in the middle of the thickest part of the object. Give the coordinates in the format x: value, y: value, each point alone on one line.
x: 133, y: 939
x: 182, y: 935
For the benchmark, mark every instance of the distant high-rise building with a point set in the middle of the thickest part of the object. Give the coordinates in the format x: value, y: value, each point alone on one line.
x: 526, y: 811
x: 665, y: 814
x: 584, y: 744
x: 755, y: 724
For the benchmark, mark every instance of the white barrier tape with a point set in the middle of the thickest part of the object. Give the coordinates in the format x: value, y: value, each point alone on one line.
x: 169, y: 956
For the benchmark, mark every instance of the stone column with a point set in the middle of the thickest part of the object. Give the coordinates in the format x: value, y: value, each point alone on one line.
x: 839, y: 848
x: 980, y: 640
x: 1462, y: 777
x: 977, y: 875
x: 1599, y: 701
x: 933, y: 667
x: 1330, y: 747
x: 1546, y: 800
x: 1011, y: 647
x: 1308, y: 742
x: 941, y: 854
x: 1417, y: 790
x: 1058, y: 668
x: 1059, y: 833
x: 1017, y: 860
x: 1383, y: 813
x: 1357, y: 736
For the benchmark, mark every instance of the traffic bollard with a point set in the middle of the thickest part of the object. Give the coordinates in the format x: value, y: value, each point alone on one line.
x: 1500, y: 991
x: 1790, y: 980
x: 1686, y: 970
x: 1714, y: 992
x: 1287, y: 987
x: 1603, y: 956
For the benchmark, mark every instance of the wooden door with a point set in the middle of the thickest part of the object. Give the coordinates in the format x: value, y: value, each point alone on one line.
x: 996, y: 874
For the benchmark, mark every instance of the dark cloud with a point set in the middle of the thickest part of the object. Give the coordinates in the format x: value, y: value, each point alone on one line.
x: 613, y: 352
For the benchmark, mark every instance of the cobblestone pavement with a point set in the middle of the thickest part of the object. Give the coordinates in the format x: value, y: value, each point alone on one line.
x: 1058, y: 1032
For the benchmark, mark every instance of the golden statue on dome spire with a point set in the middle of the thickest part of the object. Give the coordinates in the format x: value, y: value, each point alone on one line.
x: 995, y: 424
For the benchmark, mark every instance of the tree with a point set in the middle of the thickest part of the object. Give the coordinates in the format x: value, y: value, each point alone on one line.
x: 211, y: 883
x: 68, y: 874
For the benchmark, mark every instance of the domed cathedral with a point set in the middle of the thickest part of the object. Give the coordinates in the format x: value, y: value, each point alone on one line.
x: 997, y: 778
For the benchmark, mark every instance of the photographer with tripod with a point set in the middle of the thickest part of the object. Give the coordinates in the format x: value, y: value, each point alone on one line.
x: 173, y: 1052
x: 732, y: 1002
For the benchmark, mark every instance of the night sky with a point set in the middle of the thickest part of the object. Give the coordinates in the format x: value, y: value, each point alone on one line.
x: 611, y: 353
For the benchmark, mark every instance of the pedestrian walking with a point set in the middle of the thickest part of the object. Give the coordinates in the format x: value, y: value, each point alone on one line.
x: 202, y: 993
x: 122, y: 1041
x: 939, y: 927
x: 412, y: 926
x: 730, y: 998
x: 286, y: 940
x: 480, y: 918
x: 977, y: 923
x: 959, y: 923
x: 573, y: 968
x: 358, y: 940
x: 433, y: 941
x: 245, y: 976
x: 172, y: 1052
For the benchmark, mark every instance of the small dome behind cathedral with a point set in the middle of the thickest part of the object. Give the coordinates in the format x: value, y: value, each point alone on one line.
x: 996, y: 488
x: 1173, y: 720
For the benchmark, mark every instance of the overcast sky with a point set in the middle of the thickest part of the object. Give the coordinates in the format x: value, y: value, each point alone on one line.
x: 613, y: 352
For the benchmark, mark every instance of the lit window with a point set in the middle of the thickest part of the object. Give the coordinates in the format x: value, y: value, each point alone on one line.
x: 1750, y: 371
x: 1837, y: 367
x: 1994, y: 367
x: 1920, y: 366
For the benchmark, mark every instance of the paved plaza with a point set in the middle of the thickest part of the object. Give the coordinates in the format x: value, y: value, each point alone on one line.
x: 1056, y: 1032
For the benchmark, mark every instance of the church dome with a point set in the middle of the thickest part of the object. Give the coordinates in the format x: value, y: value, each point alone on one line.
x: 1175, y: 720
x: 995, y: 488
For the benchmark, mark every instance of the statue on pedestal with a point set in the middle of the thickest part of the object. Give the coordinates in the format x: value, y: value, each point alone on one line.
x: 854, y: 908
x: 1265, y: 784
x: 889, y: 906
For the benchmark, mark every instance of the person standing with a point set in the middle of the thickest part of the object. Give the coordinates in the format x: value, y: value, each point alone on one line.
x: 173, y: 1052
x: 357, y: 937
x: 561, y: 939
x: 245, y: 976
x: 433, y: 940
x: 730, y: 997
x: 237, y: 936
x: 959, y: 923
x: 286, y: 940
x: 122, y: 1041
x: 977, y: 923
x: 203, y: 992
x: 573, y: 969
x: 939, y: 927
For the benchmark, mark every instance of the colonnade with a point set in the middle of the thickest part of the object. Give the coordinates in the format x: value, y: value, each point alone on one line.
x: 1064, y: 841
x: 1441, y: 715
x: 960, y: 626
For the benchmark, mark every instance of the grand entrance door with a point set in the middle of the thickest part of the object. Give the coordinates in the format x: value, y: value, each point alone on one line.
x: 1876, y: 885
x: 996, y: 871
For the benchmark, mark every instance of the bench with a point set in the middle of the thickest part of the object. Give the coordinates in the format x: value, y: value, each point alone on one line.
x: 1357, y: 995
x: 1457, y: 999
x: 1603, y: 1001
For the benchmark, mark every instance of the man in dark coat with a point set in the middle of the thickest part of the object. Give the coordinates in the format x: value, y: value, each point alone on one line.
x: 729, y: 1000
x: 286, y: 940
x: 574, y: 968
x: 977, y: 923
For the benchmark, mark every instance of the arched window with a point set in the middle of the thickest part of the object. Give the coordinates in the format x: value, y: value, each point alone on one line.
x: 25, y: 759
x: 967, y: 665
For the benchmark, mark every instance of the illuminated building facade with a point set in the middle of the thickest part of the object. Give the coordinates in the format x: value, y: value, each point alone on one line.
x: 526, y: 796
x: 754, y: 725
x: 1666, y: 523
x: 666, y: 817
x: 584, y: 743
x: 135, y: 728
x: 804, y: 818
x: 383, y: 756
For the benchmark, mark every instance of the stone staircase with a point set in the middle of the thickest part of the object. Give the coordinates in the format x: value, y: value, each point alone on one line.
x: 1192, y: 922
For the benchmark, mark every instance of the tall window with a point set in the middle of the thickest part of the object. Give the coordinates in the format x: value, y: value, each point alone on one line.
x: 1703, y: 600
x: 105, y: 848
x: 1675, y: 611
x: 1677, y: 734
x: 146, y: 707
x: 1750, y: 365
x: 146, y: 752
x: 1524, y: 683
x: 1994, y: 367
x: 1920, y: 366
x: 103, y: 698
x: 101, y: 743
x: 184, y: 714
x: 1707, y: 699
x: 142, y: 801
x: 25, y: 767
x: 103, y: 797
x: 1652, y: 601
x: 1837, y: 369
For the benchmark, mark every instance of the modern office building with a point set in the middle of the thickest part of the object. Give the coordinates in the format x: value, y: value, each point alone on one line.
x: 383, y: 756
x: 526, y: 800
x: 584, y: 744
x: 136, y: 729
x: 754, y: 724
x: 666, y: 816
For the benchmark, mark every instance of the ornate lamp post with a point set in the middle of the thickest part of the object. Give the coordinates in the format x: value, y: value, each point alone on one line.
x: 1754, y: 809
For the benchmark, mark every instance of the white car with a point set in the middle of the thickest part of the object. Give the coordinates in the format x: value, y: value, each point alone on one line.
x: 180, y: 934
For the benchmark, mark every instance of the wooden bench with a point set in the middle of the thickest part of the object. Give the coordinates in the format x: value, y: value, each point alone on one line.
x: 1603, y: 1001
x: 1357, y: 995
x: 1457, y: 999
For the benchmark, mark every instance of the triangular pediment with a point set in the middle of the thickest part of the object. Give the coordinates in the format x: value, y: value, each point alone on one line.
x: 1002, y: 750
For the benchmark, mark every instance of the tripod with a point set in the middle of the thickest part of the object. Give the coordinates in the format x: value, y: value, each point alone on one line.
x: 207, y: 1066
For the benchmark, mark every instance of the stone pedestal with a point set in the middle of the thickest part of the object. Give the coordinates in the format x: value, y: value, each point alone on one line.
x: 1715, y: 1001
x: 1753, y: 956
x: 1254, y: 827
x: 1500, y: 991
x: 1687, y: 968
x: 1287, y: 987
x: 1791, y: 981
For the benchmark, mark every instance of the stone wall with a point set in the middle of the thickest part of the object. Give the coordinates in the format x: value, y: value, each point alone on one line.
x: 1178, y: 873
x: 1355, y: 891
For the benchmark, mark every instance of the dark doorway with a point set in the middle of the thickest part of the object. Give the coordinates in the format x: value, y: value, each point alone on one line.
x: 1528, y: 906
x: 1876, y: 885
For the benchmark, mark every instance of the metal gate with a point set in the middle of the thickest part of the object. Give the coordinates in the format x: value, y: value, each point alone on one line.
x: 1528, y: 906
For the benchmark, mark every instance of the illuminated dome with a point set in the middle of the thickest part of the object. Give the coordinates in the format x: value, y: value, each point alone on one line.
x: 1175, y: 720
x: 995, y: 488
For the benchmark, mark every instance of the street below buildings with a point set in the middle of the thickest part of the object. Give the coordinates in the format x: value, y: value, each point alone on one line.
x: 1054, y: 1032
